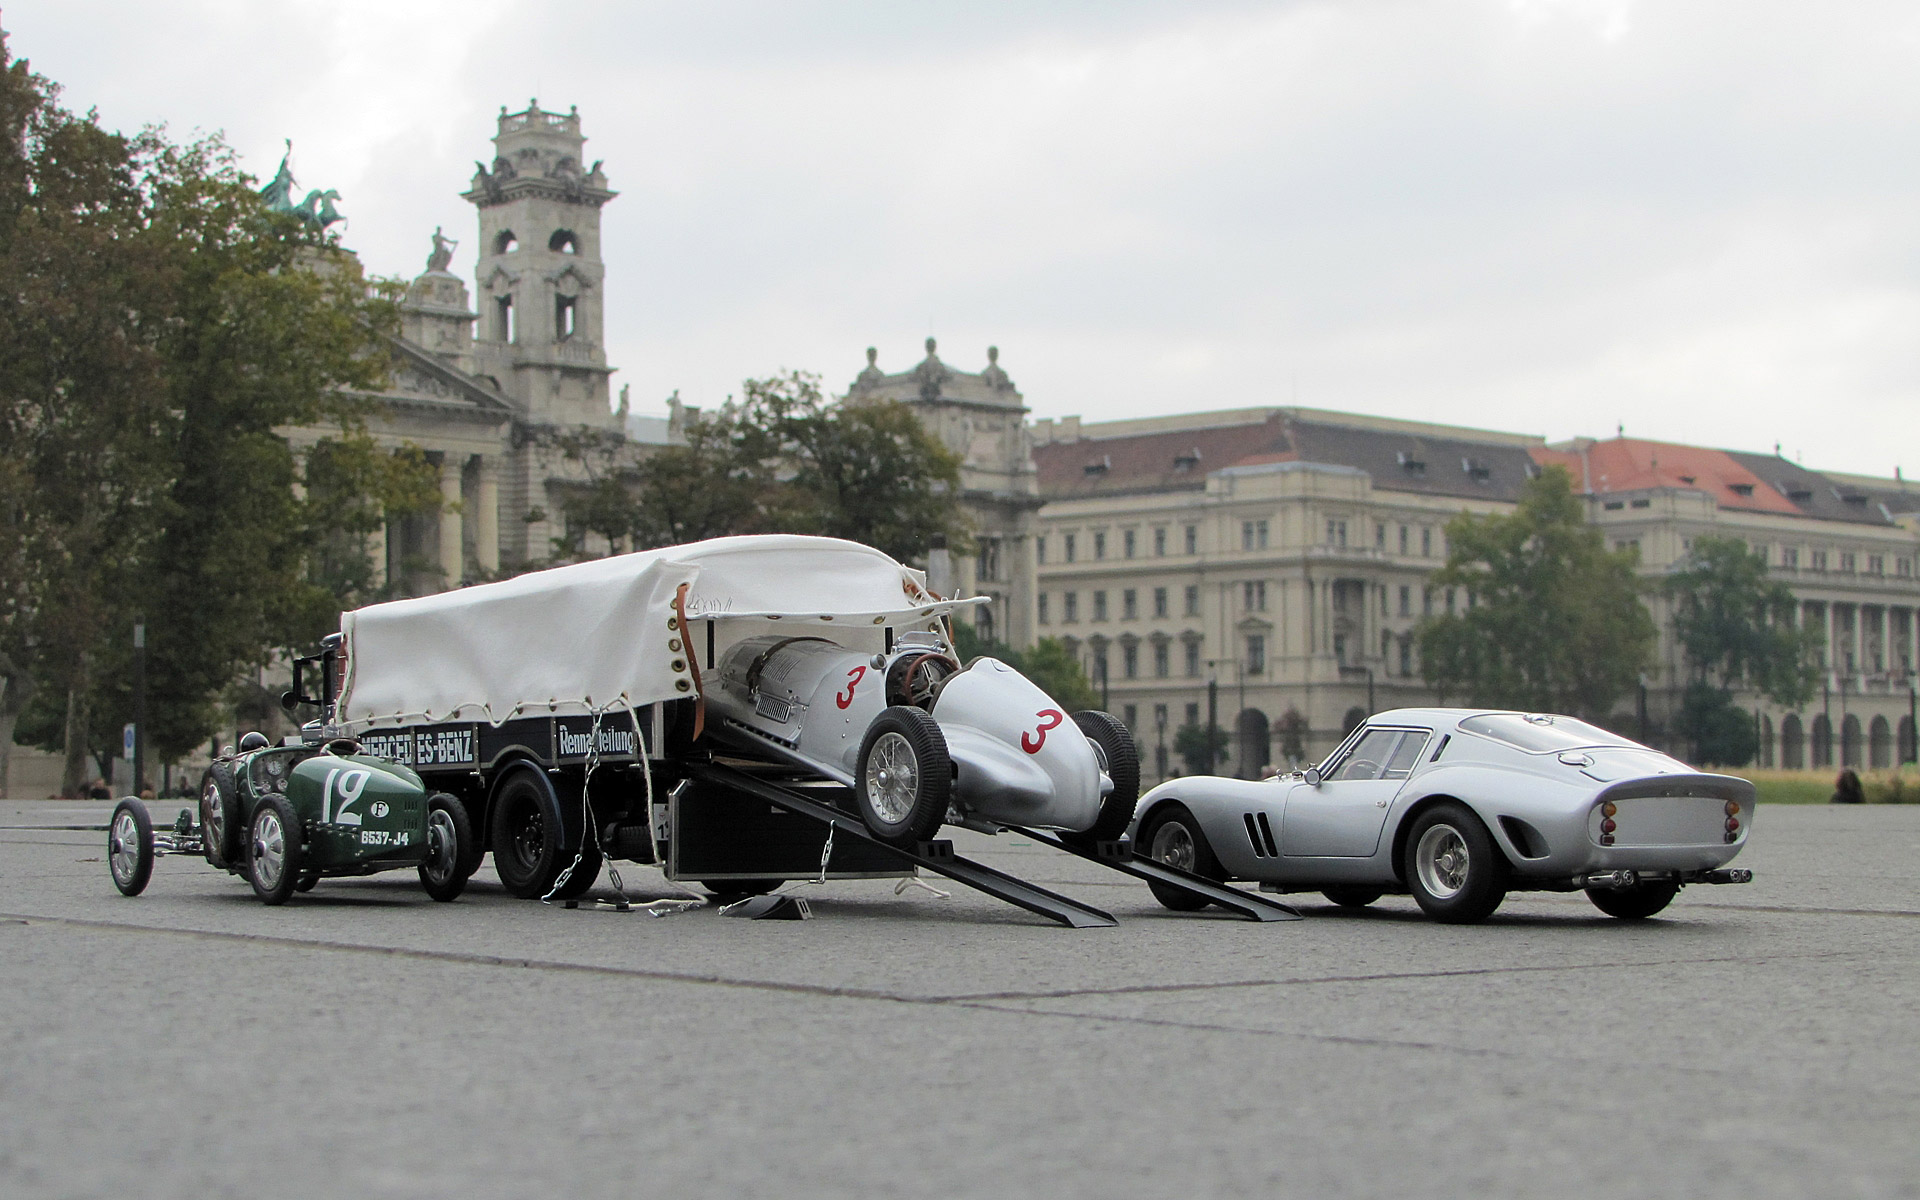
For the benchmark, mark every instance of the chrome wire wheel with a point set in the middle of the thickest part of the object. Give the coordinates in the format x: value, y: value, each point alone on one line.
x: 1173, y: 845
x: 213, y: 821
x: 269, y: 849
x: 1443, y: 861
x: 443, y: 849
x: 124, y: 857
x: 893, y: 777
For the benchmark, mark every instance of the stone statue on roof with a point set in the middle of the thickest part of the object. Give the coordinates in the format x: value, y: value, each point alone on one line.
x: 442, y: 251
x: 279, y: 192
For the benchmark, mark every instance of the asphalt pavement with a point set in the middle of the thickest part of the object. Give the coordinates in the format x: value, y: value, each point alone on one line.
x: 1756, y: 1041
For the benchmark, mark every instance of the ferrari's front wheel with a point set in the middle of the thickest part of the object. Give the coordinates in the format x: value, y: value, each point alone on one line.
x: 1453, y: 868
x: 1113, y: 748
x: 275, y: 853
x: 904, y: 778
x: 1172, y: 836
x: 1635, y: 903
x: 130, y: 847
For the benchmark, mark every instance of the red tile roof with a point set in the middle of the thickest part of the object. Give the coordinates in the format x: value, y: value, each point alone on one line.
x: 1630, y: 464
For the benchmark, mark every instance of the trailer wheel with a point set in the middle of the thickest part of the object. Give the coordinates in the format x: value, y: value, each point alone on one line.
x: 1113, y: 746
x: 130, y: 847
x: 275, y: 854
x: 536, y: 832
x: 904, y: 777
x: 444, y: 873
x: 221, y: 826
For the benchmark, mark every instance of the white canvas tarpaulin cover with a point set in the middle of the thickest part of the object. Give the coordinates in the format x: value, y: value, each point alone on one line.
x: 596, y: 635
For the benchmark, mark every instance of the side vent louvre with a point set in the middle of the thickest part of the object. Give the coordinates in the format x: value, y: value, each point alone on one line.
x: 1266, y: 831
x: 1253, y: 836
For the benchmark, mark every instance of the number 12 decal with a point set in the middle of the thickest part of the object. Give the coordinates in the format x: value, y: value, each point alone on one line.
x: 352, y: 784
x: 1050, y: 718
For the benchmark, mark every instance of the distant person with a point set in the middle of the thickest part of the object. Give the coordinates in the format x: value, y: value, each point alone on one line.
x: 99, y: 790
x: 1846, y: 788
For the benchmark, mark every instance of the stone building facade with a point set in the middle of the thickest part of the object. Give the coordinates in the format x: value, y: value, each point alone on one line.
x: 1268, y: 561
x: 982, y: 418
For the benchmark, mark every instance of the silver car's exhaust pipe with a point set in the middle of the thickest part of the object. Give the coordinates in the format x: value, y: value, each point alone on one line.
x: 1607, y: 879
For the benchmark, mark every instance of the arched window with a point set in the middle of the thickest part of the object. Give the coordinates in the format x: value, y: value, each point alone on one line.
x: 1879, y: 743
x: 1822, y: 741
x: 1352, y: 721
x: 563, y: 242
x: 506, y: 243
x: 1252, y: 743
x: 1766, y: 740
x: 1792, y: 743
x: 1850, y: 741
x: 1906, y: 740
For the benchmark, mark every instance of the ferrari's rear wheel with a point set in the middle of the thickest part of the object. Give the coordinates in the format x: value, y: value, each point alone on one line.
x: 1113, y: 747
x: 1453, y: 868
x: 1352, y: 897
x: 1635, y: 903
x: 1173, y: 837
x: 275, y: 854
x: 904, y: 777
x: 130, y: 847
x: 444, y: 874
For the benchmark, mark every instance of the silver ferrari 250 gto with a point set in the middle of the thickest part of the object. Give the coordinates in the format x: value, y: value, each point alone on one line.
x: 1460, y: 807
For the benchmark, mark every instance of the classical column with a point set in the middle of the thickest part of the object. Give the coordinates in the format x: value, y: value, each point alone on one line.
x: 1827, y: 647
x: 450, y: 557
x: 1859, y: 639
x: 486, y: 518
x: 1886, y: 638
x: 377, y: 553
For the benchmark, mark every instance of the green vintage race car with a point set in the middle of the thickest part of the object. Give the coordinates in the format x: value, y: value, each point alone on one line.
x: 288, y: 816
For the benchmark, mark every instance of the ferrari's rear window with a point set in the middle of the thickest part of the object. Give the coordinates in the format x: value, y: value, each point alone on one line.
x: 1541, y: 733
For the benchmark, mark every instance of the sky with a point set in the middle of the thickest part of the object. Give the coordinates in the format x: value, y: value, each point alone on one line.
x: 1694, y: 220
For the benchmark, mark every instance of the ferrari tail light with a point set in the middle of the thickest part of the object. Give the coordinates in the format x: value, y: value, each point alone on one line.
x: 1607, y: 825
x: 1733, y: 824
x: 1733, y: 808
x: 1609, y: 809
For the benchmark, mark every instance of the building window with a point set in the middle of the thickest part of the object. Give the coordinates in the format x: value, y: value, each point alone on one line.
x: 1449, y: 601
x: 1160, y: 602
x: 1336, y: 533
x: 1193, y: 599
x: 1406, y: 656
x: 1159, y: 716
x: 1129, y: 606
x: 1406, y: 601
x: 1130, y: 663
x: 1070, y: 608
x: 503, y: 326
x: 1160, y: 543
x: 1340, y: 648
x: 1070, y: 546
x: 1876, y: 565
x: 1903, y: 567
x: 1383, y: 603
x: 1099, y: 545
x: 1386, y: 646
x: 988, y: 558
x: 1160, y: 661
x: 1131, y: 715
x: 1126, y: 544
x: 1426, y: 601
x: 1403, y: 539
x: 1100, y: 606
x: 1253, y: 535
x: 1193, y: 660
x: 1100, y: 663
x: 1256, y: 654
x: 1193, y: 539
x: 1426, y: 543
x: 1040, y: 548
x: 1818, y: 560
x: 1040, y: 605
x: 1790, y: 557
x: 1253, y: 595
x: 564, y: 308
x: 1380, y: 536
x: 1846, y: 562
x: 1193, y: 714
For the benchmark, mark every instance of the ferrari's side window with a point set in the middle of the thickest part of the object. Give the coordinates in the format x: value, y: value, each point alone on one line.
x: 1401, y: 762
x: 1368, y: 757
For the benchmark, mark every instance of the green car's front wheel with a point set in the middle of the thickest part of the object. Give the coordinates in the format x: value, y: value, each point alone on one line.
x: 275, y: 850
x: 449, y: 833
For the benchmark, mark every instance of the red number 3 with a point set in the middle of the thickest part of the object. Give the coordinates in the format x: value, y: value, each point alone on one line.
x: 1050, y: 718
x: 853, y: 681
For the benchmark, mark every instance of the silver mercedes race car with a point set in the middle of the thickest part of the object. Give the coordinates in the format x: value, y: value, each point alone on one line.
x: 1459, y: 807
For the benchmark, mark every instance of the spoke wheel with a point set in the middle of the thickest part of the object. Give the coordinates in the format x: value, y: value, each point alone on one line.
x: 904, y: 777
x: 1452, y: 866
x: 276, y: 854
x: 130, y: 847
x: 1172, y: 836
x: 222, y: 835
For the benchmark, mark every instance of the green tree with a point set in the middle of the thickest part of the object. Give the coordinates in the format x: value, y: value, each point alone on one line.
x: 1553, y: 620
x: 1736, y: 628
x: 162, y: 330
x: 1191, y: 743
